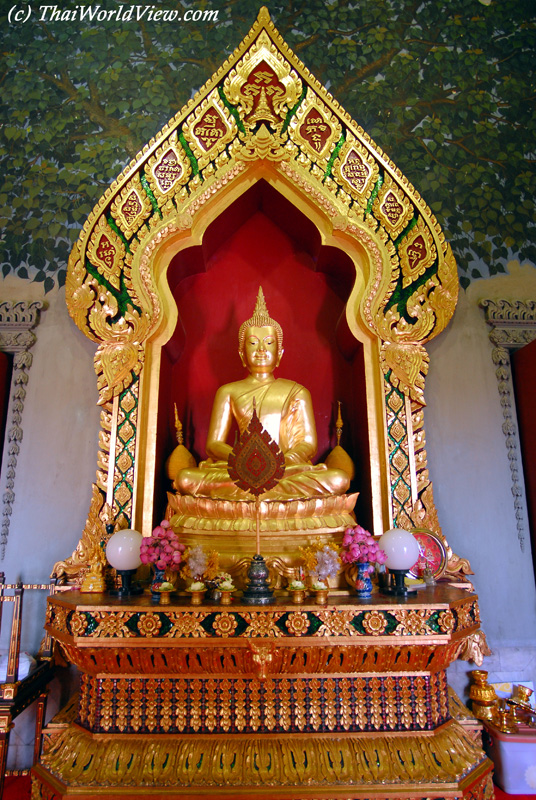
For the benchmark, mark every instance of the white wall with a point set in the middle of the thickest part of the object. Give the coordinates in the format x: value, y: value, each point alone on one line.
x: 58, y: 453
x: 55, y: 469
x: 470, y: 471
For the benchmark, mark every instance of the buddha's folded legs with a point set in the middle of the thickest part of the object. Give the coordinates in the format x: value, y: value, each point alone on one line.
x: 300, y: 481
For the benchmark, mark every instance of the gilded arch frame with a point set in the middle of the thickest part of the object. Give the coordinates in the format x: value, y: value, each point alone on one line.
x: 262, y: 114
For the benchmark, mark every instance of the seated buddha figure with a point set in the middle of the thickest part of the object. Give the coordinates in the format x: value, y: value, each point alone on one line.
x: 285, y: 410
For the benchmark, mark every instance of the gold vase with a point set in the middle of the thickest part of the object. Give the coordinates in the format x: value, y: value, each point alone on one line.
x: 321, y: 596
x: 298, y: 596
x: 226, y: 597
x: 165, y: 598
x: 482, y: 695
x: 197, y: 596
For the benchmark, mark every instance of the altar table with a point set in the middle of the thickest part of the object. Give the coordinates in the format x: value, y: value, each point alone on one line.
x: 345, y: 700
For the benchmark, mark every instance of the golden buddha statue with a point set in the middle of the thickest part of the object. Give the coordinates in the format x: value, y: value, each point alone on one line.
x: 285, y: 410
x: 310, y: 501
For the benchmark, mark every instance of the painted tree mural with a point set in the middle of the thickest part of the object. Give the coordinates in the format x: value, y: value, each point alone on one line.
x: 447, y: 90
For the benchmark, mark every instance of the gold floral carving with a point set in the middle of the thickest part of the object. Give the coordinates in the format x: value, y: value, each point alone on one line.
x: 263, y: 625
x: 224, y: 624
x: 131, y: 207
x: 412, y: 623
x: 263, y: 145
x: 78, y: 623
x: 474, y: 648
x: 209, y: 129
x: 149, y: 624
x: 336, y: 624
x: 465, y: 619
x: 446, y: 621
x: 297, y: 623
x: 73, y: 569
x: 115, y: 364
x: 188, y: 626
x: 374, y: 622
x: 107, y: 252
x: 263, y: 86
x: 408, y: 362
x: 113, y: 625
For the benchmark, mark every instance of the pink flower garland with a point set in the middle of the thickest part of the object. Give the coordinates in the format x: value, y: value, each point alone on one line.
x: 162, y: 548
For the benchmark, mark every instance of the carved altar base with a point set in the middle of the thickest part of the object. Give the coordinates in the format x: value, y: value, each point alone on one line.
x: 294, y: 702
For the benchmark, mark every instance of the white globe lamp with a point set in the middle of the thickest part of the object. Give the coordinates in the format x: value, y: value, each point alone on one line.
x: 123, y: 554
x: 402, y: 551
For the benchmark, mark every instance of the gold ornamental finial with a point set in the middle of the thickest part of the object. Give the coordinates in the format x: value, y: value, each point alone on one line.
x: 338, y: 423
x: 178, y: 427
x: 260, y: 319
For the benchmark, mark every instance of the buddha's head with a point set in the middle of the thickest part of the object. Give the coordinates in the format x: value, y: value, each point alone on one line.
x: 260, y: 339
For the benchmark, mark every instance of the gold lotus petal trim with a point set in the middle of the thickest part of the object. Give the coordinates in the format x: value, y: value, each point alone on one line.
x: 382, y: 761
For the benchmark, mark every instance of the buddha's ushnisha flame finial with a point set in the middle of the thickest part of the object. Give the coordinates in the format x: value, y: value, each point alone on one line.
x: 260, y: 319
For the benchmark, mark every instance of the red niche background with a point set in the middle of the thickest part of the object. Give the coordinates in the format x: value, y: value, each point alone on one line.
x: 263, y: 240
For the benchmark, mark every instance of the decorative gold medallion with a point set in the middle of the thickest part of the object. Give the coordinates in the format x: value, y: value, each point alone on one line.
x: 393, y: 208
x: 314, y: 128
x: 131, y: 207
x: 417, y: 252
x: 356, y: 170
x: 107, y: 251
x: 168, y: 169
x: 209, y: 129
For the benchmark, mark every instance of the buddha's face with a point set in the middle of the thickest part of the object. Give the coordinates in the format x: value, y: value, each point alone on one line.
x: 260, y: 353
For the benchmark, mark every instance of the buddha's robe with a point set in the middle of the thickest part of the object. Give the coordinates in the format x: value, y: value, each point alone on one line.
x: 285, y: 411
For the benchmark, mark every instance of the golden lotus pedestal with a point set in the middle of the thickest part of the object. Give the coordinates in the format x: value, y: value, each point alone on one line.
x: 286, y: 526
x: 347, y: 700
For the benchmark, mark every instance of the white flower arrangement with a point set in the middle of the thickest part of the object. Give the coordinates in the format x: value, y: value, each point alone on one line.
x: 197, y: 586
x: 296, y: 586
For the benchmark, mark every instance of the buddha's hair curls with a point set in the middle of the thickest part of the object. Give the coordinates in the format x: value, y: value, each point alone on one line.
x: 260, y: 319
